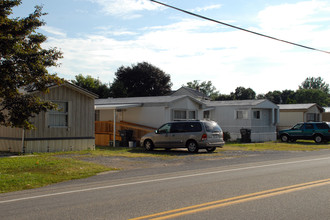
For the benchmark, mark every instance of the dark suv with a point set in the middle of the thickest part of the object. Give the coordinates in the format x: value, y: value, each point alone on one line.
x: 317, y: 131
x: 193, y: 135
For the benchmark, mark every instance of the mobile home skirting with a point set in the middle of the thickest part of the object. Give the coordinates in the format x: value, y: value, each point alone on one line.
x: 46, y: 144
x: 256, y: 137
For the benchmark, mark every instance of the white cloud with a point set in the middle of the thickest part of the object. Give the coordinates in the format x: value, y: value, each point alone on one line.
x: 54, y: 31
x: 125, y: 7
x: 206, y: 8
x: 228, y: 58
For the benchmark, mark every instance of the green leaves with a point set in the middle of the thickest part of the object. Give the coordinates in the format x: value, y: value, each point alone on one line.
x: 140, y: 80
x: 23, y: 64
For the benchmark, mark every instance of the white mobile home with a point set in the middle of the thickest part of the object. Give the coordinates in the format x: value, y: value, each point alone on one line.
x: 150, y: 111
x: 259, y: 116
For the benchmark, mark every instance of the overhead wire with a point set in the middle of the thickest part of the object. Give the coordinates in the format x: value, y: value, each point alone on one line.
x: 239, y: 28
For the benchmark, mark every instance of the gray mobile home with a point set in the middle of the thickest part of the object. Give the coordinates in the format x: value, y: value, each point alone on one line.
x: 69, y: 128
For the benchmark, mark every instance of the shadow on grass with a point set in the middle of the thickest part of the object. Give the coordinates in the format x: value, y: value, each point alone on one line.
x: 155, y: 152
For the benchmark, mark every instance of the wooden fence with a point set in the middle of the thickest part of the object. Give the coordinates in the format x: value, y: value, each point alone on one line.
x: 104, y: 131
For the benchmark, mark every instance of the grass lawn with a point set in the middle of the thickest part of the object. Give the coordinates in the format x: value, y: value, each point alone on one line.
x: 37, y: 170
x: 27, y: 172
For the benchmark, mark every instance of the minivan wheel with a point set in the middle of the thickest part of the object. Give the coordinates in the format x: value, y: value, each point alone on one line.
x: 210, y: 149
x: 284, y: 138
x: 148, y: 145
x: 318, y: 138
x: 192, y: 146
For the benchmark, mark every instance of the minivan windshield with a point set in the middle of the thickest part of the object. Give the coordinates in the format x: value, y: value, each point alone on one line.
x: 212, y: 126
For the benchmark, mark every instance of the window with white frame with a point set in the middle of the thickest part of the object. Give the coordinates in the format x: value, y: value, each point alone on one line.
x: 313, y: 117
x: 183, y: 114
x: 59, y: 117
x: 191, y: 115
x: 241, y: 114
x: 256, y: 114
x: 206, y: 114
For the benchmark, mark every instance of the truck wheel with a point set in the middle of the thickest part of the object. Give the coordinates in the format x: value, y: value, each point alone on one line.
x: 284, y: 138
x: 318, y: 139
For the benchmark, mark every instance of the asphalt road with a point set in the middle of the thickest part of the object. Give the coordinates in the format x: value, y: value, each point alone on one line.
x: 268, y: 185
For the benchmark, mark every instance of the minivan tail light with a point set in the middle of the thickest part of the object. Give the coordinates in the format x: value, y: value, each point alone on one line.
x: 204, y: 137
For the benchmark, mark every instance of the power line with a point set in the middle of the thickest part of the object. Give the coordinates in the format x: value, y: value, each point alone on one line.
x: 242, y: 29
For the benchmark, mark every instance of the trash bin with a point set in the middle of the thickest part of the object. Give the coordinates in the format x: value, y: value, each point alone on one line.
x: 126, y: 136
x: 245, y: 135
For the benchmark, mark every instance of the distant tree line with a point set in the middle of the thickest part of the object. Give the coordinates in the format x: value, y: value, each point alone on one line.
x: 144, y: 79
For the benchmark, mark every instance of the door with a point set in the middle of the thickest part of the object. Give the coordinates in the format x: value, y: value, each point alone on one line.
x: 308, y: 131
x: 176, y: 136
x: 162, y: 135
x: 297, y: 130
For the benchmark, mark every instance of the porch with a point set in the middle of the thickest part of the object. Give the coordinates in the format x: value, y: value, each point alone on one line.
x: 104, y: 132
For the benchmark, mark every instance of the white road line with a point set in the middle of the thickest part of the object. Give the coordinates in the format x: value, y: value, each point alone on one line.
x: 160, y: 179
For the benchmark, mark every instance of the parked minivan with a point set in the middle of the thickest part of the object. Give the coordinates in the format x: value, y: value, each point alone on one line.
x: 193, y: 135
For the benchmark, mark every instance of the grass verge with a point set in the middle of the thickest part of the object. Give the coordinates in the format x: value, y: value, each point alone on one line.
x: 27, y: 172
x: 302, y: 145
x: 33, y: 171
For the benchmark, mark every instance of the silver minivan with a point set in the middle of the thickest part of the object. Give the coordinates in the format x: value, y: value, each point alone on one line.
x: 193, y: 135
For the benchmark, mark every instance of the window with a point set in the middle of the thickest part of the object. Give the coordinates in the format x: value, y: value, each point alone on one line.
x: 212, y: 127
x: 313, y: 117
x: 206, y: 114
x: 59, y: 117
x: 177, y: 128
x: 322, y: 126
x: 180, y: 114
x: 297, y: 126
x: 192, y: 115
x: 256, y: 114
x: 242, y: 114
x: 183, y: 115
x: 309, y: 126
x: 193, y: 127
x: 164, y: 129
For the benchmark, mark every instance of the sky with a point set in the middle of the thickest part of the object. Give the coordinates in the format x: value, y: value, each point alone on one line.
x: 99, y: 36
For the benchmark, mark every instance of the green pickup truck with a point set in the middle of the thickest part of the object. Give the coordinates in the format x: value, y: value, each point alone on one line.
x: 317, y: 131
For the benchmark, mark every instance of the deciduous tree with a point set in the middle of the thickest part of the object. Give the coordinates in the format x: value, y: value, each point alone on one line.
x: 206, y: 87
x: 139, y: 80
x: 23, y: 66
x: 92, y: 85
x: 315, y: 83
x: 242, y: 93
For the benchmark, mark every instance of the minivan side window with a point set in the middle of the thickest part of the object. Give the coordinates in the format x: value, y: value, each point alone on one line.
x: 164, y: 129
x: 193, y: 127
x: 178, y: 127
